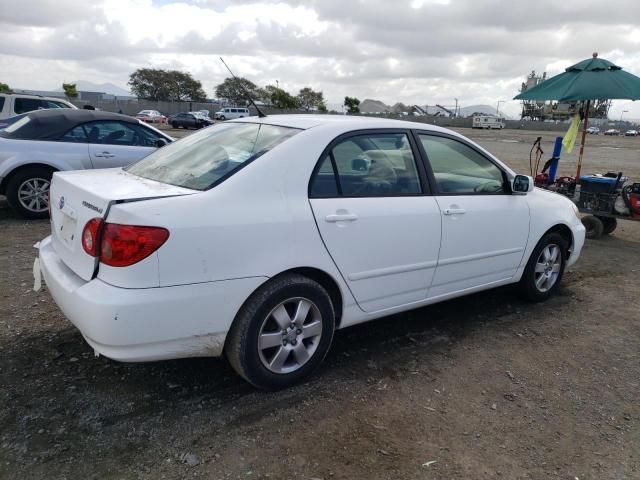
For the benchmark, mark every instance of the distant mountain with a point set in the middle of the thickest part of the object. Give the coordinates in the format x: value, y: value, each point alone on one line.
x: 373, y: 106
x: 110, y: 88
x: 486, y: 109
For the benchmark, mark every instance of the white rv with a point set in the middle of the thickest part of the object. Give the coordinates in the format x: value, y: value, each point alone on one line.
x: 487, y: 121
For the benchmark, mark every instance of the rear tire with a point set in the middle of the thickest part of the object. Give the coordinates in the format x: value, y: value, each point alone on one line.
x: 282, y: 332
x: 609, y: 224
x: 174, y: 125
x: 594, y: 227
x: 28, y: 192
x: 545, y: 268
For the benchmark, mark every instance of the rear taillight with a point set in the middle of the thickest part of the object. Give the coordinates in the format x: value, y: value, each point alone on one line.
x: 123, y: 245
x: 90, y: 236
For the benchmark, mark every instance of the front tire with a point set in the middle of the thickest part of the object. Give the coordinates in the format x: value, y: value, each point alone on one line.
x: 282, y: 332
x: 28, y: 192
x: 545, y: 268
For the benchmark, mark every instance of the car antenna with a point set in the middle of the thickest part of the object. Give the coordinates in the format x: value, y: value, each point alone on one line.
x: 260, y: 114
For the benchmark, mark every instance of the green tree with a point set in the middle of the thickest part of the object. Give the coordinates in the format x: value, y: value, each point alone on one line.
x: 4, y: 88
x: 279, y: 98
x: 352, y: 104
x: 235, y: 90
x: 309, y: 99
x: 70, y: 90
x: 166, y: 85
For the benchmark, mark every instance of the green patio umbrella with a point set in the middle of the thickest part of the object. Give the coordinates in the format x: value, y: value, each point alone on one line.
x: 591, y: 79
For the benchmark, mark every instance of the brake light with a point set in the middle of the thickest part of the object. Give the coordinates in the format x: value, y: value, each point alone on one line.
x: 124, y: 245
x: 90, y: 234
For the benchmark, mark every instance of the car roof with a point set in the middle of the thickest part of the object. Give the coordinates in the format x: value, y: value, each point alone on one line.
x: 51, y: 124
x: 348, y: 122
x: 35, y: 97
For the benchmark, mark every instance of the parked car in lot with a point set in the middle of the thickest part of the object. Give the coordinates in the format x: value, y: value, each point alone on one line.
x: 42, y: 142
x: 631, y: 133
x: 229, y: 113
x: 12, y: 104
x: 593, y: 130
x: 612, y: 132
x: 151, y: 116
x: 258, y: 238
x: 188, y: 120
x: 203, y: 115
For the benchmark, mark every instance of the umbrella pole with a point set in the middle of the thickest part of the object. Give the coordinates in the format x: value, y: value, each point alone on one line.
x: 584, y: 137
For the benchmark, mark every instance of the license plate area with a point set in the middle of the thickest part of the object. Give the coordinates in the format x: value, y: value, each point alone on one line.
x: 66, y: 228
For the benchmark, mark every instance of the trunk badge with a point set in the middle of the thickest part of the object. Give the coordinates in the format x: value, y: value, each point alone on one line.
x: 61, y: 202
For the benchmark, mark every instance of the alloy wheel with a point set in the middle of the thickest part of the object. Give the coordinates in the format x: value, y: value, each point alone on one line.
x: 289, y: 335
x: 33, y: 194
x: 548, y: 267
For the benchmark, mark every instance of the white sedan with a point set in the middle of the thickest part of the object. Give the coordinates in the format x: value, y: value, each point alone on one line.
x: 258, y: 238
x: 36, y: 144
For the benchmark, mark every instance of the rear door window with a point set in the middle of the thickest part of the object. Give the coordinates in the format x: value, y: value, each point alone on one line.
x: 23, y: 105
x: 1, y: 103
x: 369, y: 165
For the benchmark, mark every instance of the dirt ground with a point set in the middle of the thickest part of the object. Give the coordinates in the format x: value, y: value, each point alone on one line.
x: 485, y: 386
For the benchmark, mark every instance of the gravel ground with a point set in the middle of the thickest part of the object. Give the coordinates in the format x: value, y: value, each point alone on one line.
x: 480, y: 387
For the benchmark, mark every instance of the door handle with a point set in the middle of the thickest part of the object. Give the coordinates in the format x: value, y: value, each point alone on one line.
x: 104, y: 155
x: 454, y: 211
x: 341, y: 217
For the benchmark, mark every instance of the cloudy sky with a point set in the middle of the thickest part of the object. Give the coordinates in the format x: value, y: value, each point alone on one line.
x: 414, y: 51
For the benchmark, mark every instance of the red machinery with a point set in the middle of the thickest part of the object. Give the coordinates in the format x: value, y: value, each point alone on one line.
x: 604, y: 197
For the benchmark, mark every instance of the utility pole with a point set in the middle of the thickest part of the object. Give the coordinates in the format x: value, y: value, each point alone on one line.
x: 622, y: 113
x: 455, y: 112
x: 277, y: 84
x: 498, y: 107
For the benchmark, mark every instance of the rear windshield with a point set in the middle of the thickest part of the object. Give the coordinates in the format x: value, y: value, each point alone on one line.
x: 204, y: 159
x: 15, y: 124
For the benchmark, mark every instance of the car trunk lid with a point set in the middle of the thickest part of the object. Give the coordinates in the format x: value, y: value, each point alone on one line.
x: 79, y: 196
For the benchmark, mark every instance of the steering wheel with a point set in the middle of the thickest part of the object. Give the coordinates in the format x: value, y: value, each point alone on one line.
x: 489, y: 187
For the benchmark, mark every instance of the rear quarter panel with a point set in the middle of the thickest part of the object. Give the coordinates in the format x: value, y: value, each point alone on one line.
x: 257, y: 223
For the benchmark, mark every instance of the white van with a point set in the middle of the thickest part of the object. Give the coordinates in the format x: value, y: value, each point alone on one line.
x: 12, y: 104
x: 228, y: 113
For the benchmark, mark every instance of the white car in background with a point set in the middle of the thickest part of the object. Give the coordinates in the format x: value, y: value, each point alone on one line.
x: 42, y: 142
x: 258, y: 238
x: 12, y: 104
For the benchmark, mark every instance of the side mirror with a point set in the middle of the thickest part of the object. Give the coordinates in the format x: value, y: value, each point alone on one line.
x: 161, y: 142
x: 522, y: 184
x: 359, y: 165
